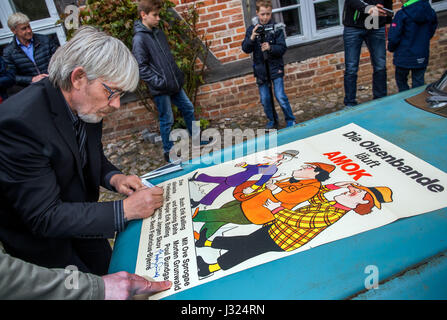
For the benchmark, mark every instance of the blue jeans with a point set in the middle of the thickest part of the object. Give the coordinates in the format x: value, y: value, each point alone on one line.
x: 375, y: 41
x: 417, y: 78
x: 281, y: 97
x: 166, y: 116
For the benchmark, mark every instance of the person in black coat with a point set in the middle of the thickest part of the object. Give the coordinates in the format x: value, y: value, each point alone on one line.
x: 159, y: 70
x: 274, y: 47
x: 365, y: 21
x: 409, y: 38
x: 28, y: 54
x: 6, y: 80
x: 52, y: 161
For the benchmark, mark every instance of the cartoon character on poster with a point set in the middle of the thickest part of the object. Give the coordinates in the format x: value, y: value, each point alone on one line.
x: 291, y: 229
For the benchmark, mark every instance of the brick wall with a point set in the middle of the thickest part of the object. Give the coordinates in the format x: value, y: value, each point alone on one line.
x: 309, y: 77
x: 223, y: 23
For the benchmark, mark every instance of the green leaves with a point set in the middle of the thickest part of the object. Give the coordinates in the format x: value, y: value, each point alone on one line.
x: 116, y: 17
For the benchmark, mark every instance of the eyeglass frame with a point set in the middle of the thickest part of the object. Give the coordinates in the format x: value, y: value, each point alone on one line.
x: 112, y: 93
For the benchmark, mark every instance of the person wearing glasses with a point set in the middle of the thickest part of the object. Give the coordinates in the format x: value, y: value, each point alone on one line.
x: 52, y: 162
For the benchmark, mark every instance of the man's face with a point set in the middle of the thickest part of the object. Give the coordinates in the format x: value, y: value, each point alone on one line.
x: 306, y: 172
x: 150, y: 19
x: 274, y: 159
x: 264, y: 14
x: 351, y: 198
x: 91, y: 102
x: 23, y: 32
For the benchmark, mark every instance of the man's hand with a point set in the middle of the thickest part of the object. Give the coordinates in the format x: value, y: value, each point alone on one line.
x: 248, y: 190
x: 377, y: 10
x: 126, y: 184
x: 271, y: 185
x: 39, y: 77
x: 254, y: 34
x: 123, y: 286
x: 143, y: 203
x: 240, y: 164
x: 343, y: 184
x: 271, y: 205
x: 265, y: 46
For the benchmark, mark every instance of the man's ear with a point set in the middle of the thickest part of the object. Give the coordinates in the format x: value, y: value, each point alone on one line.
x: 78, y: 77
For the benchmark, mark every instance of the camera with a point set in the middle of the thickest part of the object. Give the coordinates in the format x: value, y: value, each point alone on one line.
x: 265, y: 28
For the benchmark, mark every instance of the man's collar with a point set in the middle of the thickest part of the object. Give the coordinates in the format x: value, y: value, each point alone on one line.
x: 21, y: 44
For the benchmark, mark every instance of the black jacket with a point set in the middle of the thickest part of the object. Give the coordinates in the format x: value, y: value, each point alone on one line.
x: 410, y: 33
x: 6, y: 79
x: 22, y: 66
x: 49, y: 214
x: 354, y: 12
x: 277, y: 49
x: 155, y: 61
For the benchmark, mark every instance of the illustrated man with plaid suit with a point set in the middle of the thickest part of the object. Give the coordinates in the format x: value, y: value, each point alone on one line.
x: 292, y: 229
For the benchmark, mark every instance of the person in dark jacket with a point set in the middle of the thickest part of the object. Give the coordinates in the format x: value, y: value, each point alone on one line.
x: 28, y: 54
x: 409, y: 38
x: 364, y: 21
x: 6, y: 80
x: 52, y: 162
x: 275, y: 46
x: 159, y: 70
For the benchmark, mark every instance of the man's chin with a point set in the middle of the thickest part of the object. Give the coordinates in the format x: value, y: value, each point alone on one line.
x: 90, y: 118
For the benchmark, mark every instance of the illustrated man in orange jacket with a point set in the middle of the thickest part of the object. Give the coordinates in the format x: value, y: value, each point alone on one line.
x: 248, y: 207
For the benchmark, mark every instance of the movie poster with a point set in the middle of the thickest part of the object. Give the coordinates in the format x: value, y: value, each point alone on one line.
x: 232, y: 216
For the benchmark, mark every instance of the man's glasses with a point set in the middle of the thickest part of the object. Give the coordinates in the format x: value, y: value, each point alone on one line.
x: 113, y: 93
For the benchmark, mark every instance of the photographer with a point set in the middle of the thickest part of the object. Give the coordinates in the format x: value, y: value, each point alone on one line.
x: 267, y: 43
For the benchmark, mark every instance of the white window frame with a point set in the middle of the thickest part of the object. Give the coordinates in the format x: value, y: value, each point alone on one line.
x: 309, y: 26
x: 42, y: 26
x: 439, y: 6
x: 308, y: 22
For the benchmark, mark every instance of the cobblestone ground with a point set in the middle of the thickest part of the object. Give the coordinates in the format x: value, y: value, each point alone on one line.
x: 136, y: 156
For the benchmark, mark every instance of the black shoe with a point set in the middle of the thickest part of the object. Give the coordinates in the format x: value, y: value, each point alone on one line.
x: 166, y: 156
x: 203, y: 267
x: 202, y: 238
x: 194, y: 203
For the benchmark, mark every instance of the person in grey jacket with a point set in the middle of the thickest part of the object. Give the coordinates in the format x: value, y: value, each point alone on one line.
x: 23, y: 280
x: 159, y: 70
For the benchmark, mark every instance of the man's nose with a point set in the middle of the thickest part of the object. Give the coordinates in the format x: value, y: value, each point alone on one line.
x: 115, y: 102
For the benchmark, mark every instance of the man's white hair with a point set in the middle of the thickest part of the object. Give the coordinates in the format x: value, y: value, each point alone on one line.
x: 100, y: 55
x: 17, y: 18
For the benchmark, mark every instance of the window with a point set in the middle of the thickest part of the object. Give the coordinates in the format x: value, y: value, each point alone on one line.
x: 308, y: 20
x: 439, y: 5
x: 42, y: 13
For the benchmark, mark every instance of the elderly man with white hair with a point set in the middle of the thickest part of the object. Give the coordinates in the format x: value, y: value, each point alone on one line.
x: 29, y: 54
x: 52, y: 161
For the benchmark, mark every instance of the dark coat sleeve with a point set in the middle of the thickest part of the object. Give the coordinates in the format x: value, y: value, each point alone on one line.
x: 147, y: 73
x: 247, y: 45
x: 395, y: 32
x: 30, y: 183
x: 357, y: 4
x: 6, y: 76
x: 279, y: 48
